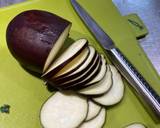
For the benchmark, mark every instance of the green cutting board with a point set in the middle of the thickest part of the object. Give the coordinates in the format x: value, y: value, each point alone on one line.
x: 26, y: 93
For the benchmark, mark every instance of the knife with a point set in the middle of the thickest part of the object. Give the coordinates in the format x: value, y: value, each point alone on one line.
x: 144, y: 91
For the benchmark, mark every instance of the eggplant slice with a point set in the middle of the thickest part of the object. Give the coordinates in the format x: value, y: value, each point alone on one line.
x: 93, y: 110
x: 55, y: 49
x: 90, y: 76
x: 68, y: 55
x: 100, y: 75
x: 96, y: 122
x: 116, y: 92
x: 83, y: 77
x: 74, y: 64
x: 64, y: 110
x: 101, y: 87
x: 81, y: 73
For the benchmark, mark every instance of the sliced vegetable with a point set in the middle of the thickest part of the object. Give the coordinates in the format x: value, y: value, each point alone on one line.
x: 68, y: 55
x: 83, y: 78
x: 136, y: 125
x: 34, y: 38
x: 56, y: 48
x: 74, y: 64
x: 80, y: 69
x: 88, y: 63
x: 115, y: 94
x: 90, y: 77
x: 96, y: 122
x: 93, y: 110
x: 101, y: 87
x: 64, y: 110
x: 80, y: 74
x: 81, y: 84
x: 100, y: 75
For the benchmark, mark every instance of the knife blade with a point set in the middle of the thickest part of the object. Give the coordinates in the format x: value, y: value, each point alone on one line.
x: 146, y: 94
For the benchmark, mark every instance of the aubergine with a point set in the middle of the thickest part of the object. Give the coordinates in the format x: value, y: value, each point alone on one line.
x: 96, y: 122
x: 78, y: 82
x: 34, y: 38
x: 74, y: 79
x: 115, y: 94
x: 66, y: 57
x: 80, y: 60
x: 93, y: 110
x: 89, y: 62
x: 100, y: 87
x: 91, y: 75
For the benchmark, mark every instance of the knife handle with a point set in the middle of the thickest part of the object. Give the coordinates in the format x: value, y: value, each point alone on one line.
x: 145, y: 92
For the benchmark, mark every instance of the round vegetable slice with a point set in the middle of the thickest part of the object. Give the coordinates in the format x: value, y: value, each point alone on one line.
x: 136, y: 125
x: 64, y: 110
x: 100, y: 75
x: 80, y: 75
x: 101, y: 87
x: 74, y: 64
x: 88, y: 63
x: 115, y: 94
x: 97, y: 122
x: 81, y: 69
x: 93, y: 110
x: 68, y: 55
x: 83, y: 78
x: 81, y: 83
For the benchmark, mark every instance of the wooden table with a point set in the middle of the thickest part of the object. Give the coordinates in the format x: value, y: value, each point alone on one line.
x: 149, y: 12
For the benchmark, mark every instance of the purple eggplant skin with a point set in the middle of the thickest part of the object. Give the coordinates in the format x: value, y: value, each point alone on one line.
x: 31, y: 35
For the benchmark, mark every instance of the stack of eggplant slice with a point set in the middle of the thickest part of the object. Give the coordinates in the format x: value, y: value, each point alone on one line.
x: 87, y: 84
x: 82, y: 69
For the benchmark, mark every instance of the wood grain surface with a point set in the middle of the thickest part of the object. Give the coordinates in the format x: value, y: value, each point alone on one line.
x: 149, y: 12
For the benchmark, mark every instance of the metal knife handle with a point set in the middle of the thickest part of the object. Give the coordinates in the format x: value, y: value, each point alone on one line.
x: 145, y: 92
